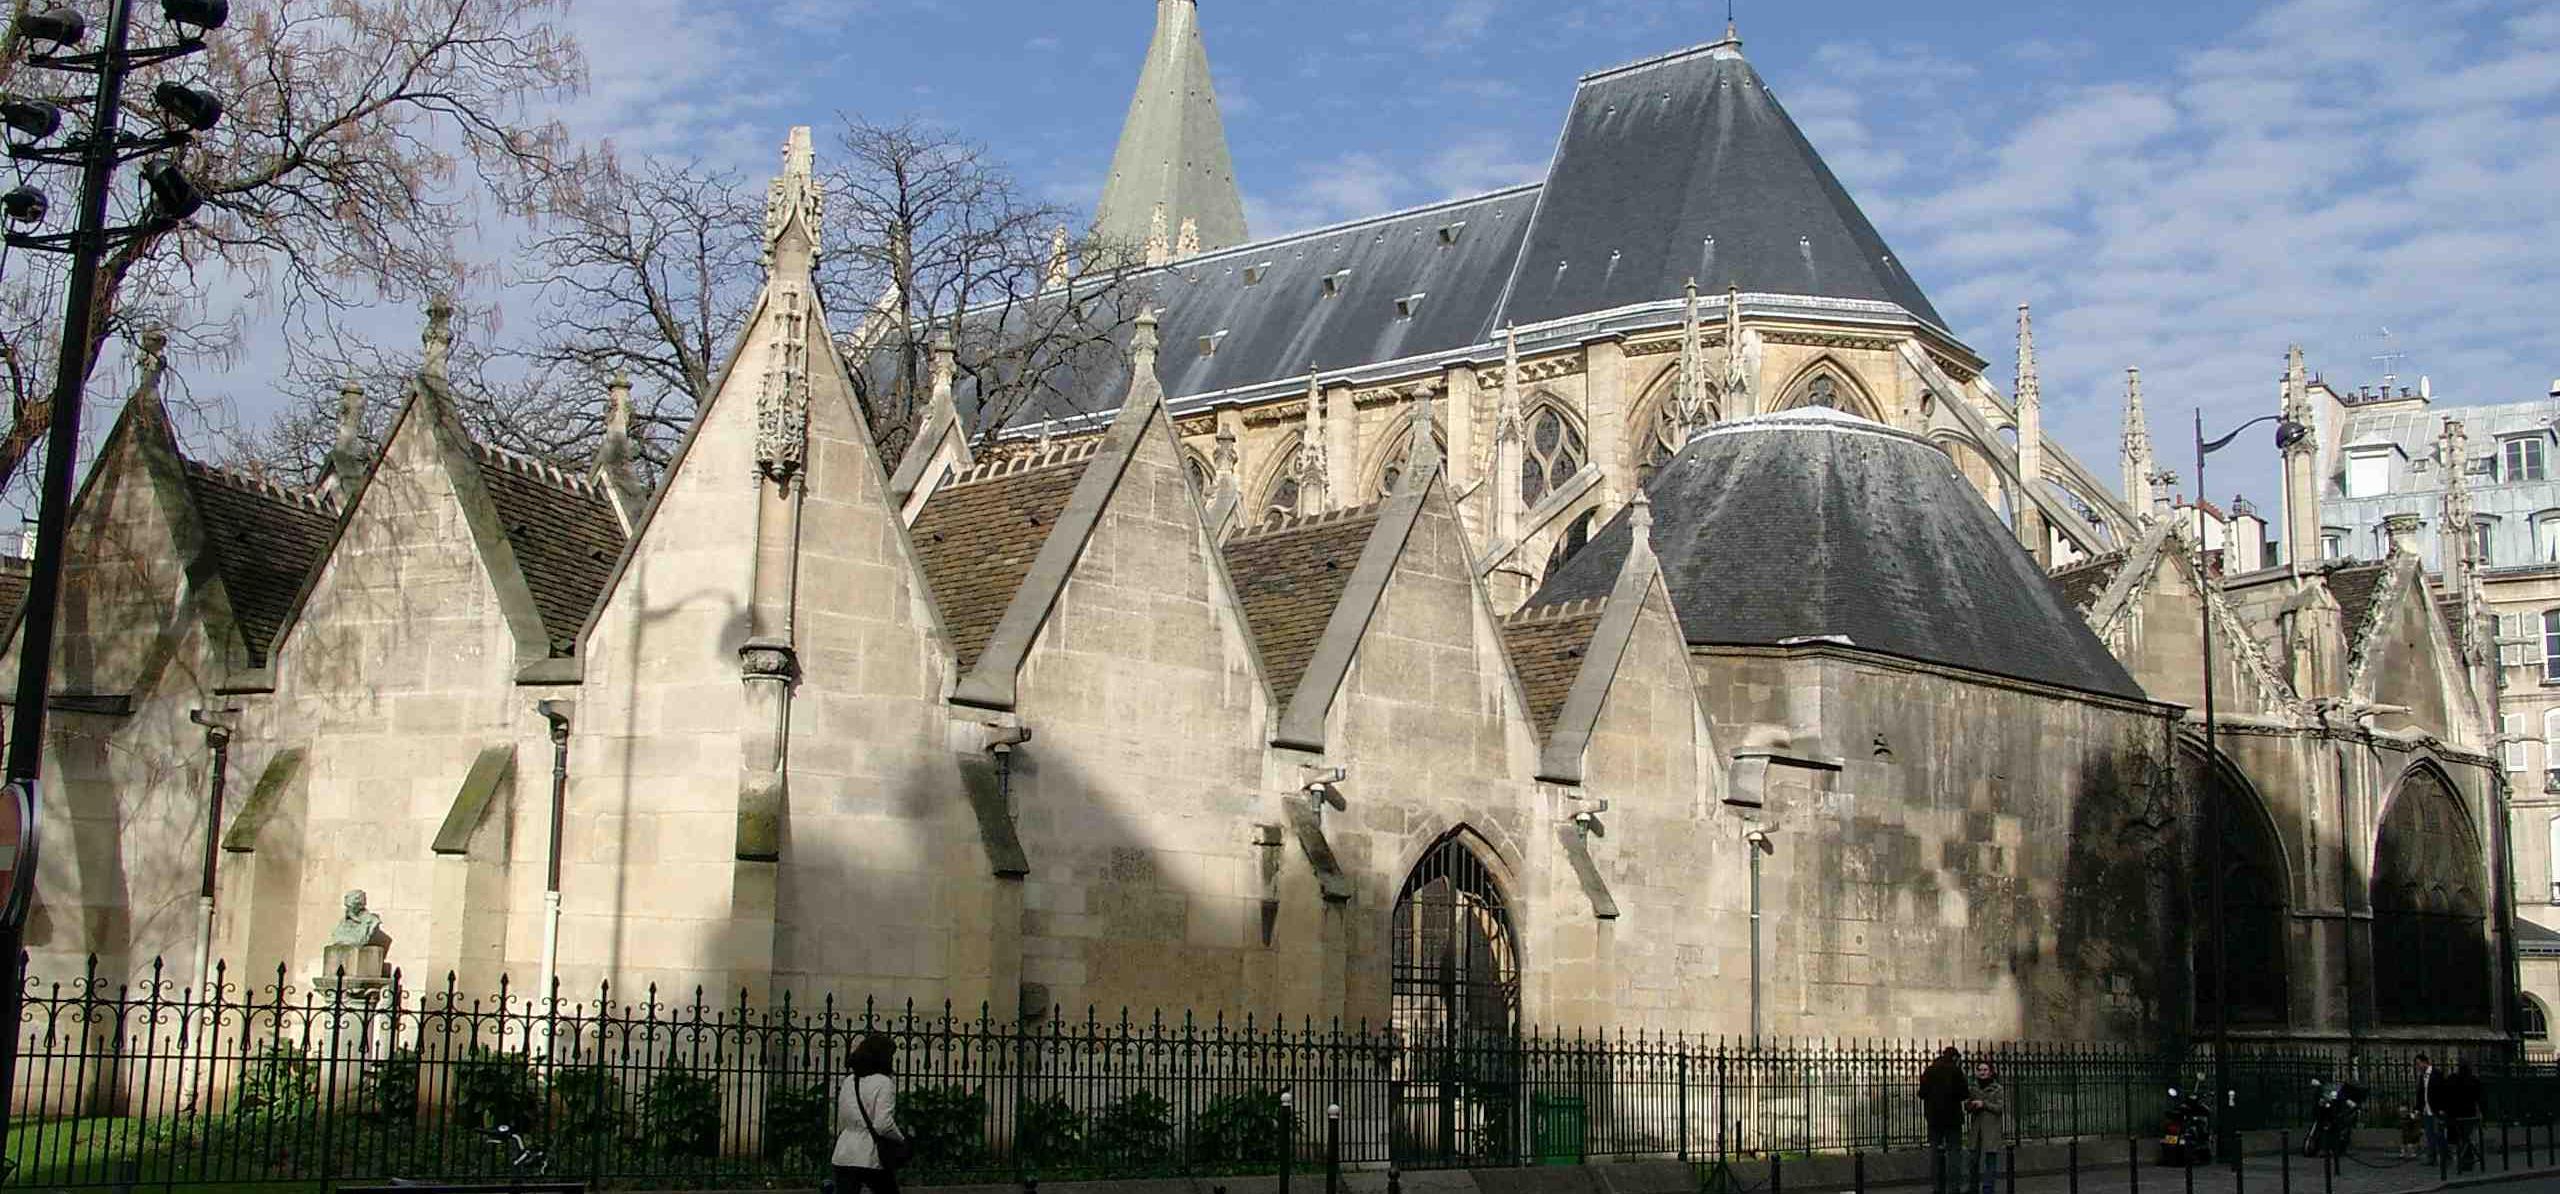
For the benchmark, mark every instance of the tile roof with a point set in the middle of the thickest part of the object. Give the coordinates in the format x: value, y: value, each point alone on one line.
x: 1547, y: 645
x: 980, y: 532
x: 1290, y: 573
x: 266, y: 541
x: 565, y: 535
x: 14, y: 575
x: 2083, y: 583
x: 2355, y: 589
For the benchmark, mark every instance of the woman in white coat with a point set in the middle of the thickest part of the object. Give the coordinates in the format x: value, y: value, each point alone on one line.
x: 866, y: 1114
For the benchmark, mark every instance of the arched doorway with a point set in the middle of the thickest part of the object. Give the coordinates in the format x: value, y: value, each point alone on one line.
x: 2254, y: 913
x: 1457, y: 1008
x: 2430, y: 912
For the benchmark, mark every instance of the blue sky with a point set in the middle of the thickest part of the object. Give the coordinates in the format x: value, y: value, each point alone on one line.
x: 2182, y: 186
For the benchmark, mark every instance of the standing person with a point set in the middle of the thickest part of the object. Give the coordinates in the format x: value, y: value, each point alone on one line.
x: 2425, y: 1105
x: 1989, y: 1111
x: 869, y: 1144
x: 2458, y: 1099
x: 1943, y: 1092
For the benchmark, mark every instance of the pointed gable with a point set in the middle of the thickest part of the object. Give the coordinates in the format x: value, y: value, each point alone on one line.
x: 1686, y: 166
x: 1547, y: 645
x: 2083, y: 583
x: 266, y: 541
x: 565, y: 535
x: 2356, y: 589
x: 1290, y: 573
x: 979, y: 534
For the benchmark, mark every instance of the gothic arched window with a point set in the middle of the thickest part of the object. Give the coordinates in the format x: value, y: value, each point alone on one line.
x: 1658, y: 442
x: 1284, y: 496
x: 1576, y: 537
x: 1555, y: 454
x: 1393, y: 474
x: 2254, y: 912
x: 2428, y: 917
x: 1199, y: 470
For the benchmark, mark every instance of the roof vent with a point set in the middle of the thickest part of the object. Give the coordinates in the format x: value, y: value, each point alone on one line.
x: 1406, y: 306
x: 1254, y: 274
x: 2555, y: 387
x: 1449, y: 233
x: 1209, y: 343
x: 1333, y: 283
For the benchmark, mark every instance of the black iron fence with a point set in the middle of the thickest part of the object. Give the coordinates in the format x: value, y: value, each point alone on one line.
x: 151, y: 1084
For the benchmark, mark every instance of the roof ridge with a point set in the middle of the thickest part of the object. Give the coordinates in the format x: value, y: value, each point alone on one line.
x: 1556, y: 611
x: 1072, y: 452
x: 1298, y: 522
x: 1662, y: 59
x: 272, y: 490
x: 539, y: 470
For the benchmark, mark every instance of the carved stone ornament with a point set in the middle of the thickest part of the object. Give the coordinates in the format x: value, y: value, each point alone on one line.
x: 782, y: 404
x: 768, y: 659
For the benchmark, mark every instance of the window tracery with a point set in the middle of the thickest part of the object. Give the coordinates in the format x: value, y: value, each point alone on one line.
x: 1555, y: 453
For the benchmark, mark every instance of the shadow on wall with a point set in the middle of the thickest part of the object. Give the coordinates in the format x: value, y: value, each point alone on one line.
x: 2115, y: 969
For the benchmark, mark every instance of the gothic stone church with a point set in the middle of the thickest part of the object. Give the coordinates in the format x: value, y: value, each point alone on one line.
x: 1453, y: 605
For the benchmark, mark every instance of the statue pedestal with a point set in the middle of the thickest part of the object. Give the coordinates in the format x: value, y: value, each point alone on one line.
x: 356, y: 970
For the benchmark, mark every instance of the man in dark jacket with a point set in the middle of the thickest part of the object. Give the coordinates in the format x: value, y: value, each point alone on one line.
x: 2458, y: 1097
x: 1943, y: 1091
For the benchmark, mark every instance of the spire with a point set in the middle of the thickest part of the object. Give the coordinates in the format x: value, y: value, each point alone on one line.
x: 2301, y: 467
x: 1173, y: 149
x: 437, y: 340
x: 2454, y: 535
x: 1741, y: 360
x: 1640, y: 513
x: 1159, y: 248
x: 1225, y: 484
x: 2138, y: 466
x: 2030, y: 520
x: 794, y: 201
x: 1507, y: 445
x: 1693, y: 367
x: 617, y: 464
x: 153, y: 365
x: 1314, y: 483
x: 346, y: 452
x: 1059, y: 267
x: 1422, y: 453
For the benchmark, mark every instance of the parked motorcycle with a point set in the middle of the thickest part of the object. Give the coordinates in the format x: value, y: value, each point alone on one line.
x: 2187, y: 1136
x: 2333, y: 1119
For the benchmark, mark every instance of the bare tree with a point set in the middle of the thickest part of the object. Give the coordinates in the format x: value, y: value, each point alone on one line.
x: 928, y: 235
x: 332, y: 180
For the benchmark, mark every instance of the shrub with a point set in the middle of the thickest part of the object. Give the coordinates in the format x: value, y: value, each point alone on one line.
x: 591, y: 1103
x: 1135, y: 1132
x: 280, y: 1088
x: 796, y: 1132
x: 683, y: 1111
x: 1240, y: 1129
x: 389, y: 1087
x: 1047, y: 1132
x: 492, y: 1088
x: 948, y: 1125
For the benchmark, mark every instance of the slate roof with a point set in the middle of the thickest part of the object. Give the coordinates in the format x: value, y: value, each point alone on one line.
x: 1290, y: 573
x: 565, y: 535
x: 1816, y: 523
x: 2083, y: 583
x: 1266, y: 308
x: 1173, y: 150
x: 1680, y: 166
x: 2536, y: 941
x: 979, y: 533
x: 1547, y: 644
x: 266, y: 541
x: 1687, y: 166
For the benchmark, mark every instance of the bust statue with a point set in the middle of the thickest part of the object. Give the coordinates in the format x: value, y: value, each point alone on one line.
x: 358, y: 926
x: 353, y: 960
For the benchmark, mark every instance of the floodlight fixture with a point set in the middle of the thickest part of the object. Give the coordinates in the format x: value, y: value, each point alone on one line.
x: 174, y: 196
x: 198, y: 110
x: 202, y: 14
x: 26, y: 205
x: 31, y: 120
x: 60, y: 26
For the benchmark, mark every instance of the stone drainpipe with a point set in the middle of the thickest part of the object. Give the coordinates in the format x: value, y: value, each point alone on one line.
x: 217, y: 738
x: 557, y: 713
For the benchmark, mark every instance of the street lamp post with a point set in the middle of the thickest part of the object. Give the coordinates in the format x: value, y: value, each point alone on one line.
x: 173, y: 198
x: 2288, y: 432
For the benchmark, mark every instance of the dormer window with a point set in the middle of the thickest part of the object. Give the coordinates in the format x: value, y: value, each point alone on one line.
x: 1254, y: 274
x: 1209, y: 343
x: 2522, y: 460
x: 1449, y: 233
x: 1333, y: 283
x: 1406, y: 306
x: 2368, y: 472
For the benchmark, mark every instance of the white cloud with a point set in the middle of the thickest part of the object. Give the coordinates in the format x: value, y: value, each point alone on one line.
x: 2282, y: 185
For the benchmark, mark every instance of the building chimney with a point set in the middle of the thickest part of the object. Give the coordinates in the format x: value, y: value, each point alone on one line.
x: 2402, y: 531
